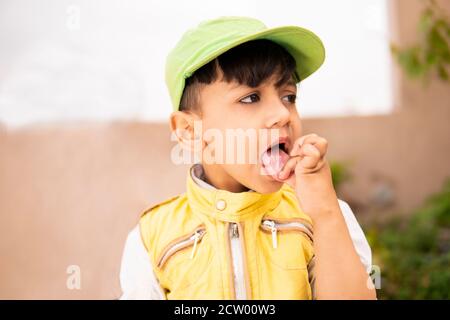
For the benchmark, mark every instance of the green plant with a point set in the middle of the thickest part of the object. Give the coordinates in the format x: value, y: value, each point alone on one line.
x: 340, y: 173
x: 432, y: 53
x: 414, y: 253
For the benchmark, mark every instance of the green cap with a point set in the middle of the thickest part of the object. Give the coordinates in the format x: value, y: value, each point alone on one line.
x: 211, y: 38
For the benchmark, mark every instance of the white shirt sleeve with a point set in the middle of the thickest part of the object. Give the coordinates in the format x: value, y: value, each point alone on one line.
x: 359, y: 239
x: 137, y: 279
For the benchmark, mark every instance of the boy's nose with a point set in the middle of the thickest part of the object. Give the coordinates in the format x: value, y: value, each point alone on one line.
x: 278, y: 115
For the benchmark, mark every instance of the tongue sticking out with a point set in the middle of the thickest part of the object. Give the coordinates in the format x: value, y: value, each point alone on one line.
x: 273, y: 161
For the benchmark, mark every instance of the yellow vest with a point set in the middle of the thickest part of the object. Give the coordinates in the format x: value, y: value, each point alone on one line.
x: 215, y: 244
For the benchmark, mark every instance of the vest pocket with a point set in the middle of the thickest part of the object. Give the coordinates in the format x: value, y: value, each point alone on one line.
x: 180, y: 244
x: 185, y: 261
x: 287, y: 243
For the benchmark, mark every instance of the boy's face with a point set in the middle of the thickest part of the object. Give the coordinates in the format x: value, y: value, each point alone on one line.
x: 248, y: 121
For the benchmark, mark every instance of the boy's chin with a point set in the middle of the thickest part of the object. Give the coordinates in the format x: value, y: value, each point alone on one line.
x: 268, y: 185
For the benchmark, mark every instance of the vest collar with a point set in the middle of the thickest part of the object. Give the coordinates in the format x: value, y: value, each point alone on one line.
x: 225, y: 205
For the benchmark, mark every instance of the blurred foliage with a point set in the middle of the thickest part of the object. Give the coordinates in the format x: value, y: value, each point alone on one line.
x: 340, y: 173
x: 414, y: 253
x: 432, y: 53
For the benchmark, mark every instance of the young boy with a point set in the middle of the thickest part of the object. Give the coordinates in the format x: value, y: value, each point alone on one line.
x: 268, y: 227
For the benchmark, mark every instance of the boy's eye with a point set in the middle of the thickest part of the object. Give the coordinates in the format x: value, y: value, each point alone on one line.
x: 291, y: 98
x: 251, y: 98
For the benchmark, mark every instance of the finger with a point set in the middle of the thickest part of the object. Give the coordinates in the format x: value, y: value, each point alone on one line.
x: 288, y: 168
x: 299, y: 142
x: 320, y: 143
x: 310, y: 156
x: 301, y: 170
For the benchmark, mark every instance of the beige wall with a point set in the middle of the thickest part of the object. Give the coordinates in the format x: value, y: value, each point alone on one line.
x: 68, y: 196
x: 70, y: 193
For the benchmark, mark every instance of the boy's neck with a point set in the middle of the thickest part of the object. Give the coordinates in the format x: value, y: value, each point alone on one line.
x: 216, y: 176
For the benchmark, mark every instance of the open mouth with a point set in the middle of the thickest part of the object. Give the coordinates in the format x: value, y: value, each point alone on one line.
x: 275, y: 157
x: 280, y: 147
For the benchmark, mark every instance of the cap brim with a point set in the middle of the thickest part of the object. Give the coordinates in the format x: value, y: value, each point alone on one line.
x: 305, y: 47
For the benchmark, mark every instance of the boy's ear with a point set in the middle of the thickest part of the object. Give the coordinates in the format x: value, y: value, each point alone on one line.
x: 182, y: 127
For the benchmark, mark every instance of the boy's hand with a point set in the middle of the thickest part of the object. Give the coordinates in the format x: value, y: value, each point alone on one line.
x: 338, y: 268
x: 308, y: 172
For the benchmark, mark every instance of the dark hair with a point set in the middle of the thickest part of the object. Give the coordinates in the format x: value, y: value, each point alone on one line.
x: 250, y: 63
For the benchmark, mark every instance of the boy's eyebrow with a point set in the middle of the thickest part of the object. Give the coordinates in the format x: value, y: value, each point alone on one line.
x: 291, y: 82
x: 236, y: 85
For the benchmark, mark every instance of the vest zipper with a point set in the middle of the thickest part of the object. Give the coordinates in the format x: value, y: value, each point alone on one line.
x: 273, y: 229
x: 237, y: 259
x: 197, y: 235
x: 274, y: 226
x: 185, y: 242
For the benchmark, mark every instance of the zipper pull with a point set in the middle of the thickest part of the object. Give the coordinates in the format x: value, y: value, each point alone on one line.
x: 235, y: 230
x: 196, y: 237
x: 273, y: 229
